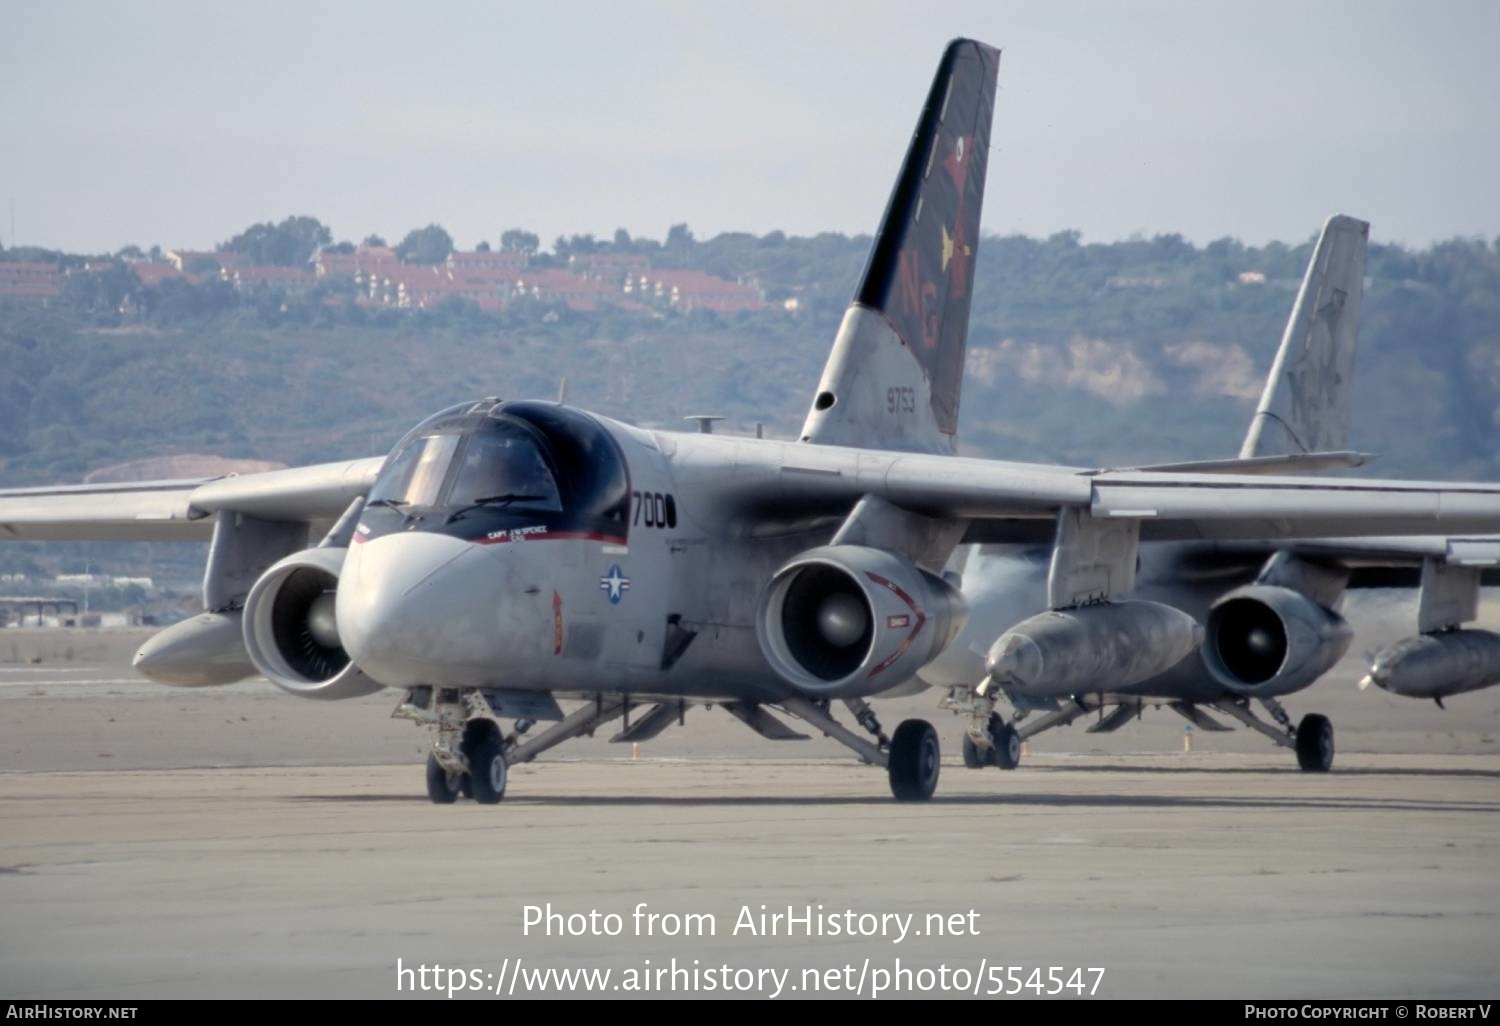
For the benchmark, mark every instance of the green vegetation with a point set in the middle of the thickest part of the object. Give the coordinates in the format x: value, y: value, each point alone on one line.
x: 430, y: 245
x: 291, y: 243
x: 1134, y: 351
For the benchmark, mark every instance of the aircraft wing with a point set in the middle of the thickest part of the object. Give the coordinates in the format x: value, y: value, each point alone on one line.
x: 1455, y: 550
x: 181, y: 510
x: 998, y: 498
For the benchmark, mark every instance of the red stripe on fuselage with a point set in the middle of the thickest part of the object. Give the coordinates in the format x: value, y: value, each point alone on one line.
x: 607, y: 539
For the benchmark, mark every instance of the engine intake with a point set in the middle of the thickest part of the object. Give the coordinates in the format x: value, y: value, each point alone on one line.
x: 846, y: 620
x: 291, y: 631
x: 1265, y: 640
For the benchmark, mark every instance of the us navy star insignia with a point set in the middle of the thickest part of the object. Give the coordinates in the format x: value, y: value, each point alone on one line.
x: 615, y: 583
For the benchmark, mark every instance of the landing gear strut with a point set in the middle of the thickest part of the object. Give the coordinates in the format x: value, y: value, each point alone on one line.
x: 1311, y: 739
x: 988, y: 739
x: 911, y: 755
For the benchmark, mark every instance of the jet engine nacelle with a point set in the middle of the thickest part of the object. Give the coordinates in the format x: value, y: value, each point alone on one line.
x: 1264, y: 640
x: 847, y: 620
x: 291, y: 632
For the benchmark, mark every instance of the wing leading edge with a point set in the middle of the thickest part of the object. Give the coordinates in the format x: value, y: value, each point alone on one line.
x: 181, y: 510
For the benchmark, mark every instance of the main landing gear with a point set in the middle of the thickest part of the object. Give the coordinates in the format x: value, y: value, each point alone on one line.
x: 1311, y: 739
x: 471, y: 756
x: 990, y: 741
x: 1315, y: 743
x: 914, y: 761
x: 912, y: 756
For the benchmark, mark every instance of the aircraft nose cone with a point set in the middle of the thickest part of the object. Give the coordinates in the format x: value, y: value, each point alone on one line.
x: 409, y: 606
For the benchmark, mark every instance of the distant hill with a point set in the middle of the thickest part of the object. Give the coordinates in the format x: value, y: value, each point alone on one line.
x: 1127, y: 352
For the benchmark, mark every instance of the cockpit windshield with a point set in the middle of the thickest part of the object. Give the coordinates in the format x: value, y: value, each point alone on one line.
x: 488, y: 465
x: 501, y: 463
x: 415, y: 476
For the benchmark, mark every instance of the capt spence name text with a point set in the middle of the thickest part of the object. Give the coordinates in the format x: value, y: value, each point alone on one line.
x: 760, y: 921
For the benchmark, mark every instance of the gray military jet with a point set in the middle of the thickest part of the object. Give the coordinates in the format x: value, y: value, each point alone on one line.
x: 1272, y: 607
x: 509, y: 554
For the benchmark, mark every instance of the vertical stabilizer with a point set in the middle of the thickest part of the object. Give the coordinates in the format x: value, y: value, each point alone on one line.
x: 893, y: 377
x: 1307, y: 403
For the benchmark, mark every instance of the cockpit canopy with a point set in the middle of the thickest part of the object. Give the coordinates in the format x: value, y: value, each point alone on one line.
x: 475, y: 467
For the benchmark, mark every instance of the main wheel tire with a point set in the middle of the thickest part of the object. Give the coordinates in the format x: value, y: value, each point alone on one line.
x: 915, y: 760
x: 1315, y: 743
x: 484, y: 751
x: 440, y: 788
x: 973, y: 757
x: 1005, y: 745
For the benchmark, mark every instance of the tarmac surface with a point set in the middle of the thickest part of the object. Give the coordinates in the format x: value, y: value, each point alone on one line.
x: 239, y: 842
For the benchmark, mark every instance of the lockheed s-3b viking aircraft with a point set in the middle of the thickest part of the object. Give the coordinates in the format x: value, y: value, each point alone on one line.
x: 508, y: 554
x: 1271, y: 606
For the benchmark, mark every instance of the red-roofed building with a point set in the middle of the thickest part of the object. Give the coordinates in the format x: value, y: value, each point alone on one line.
x: 363, y: 262
x: 610, y: 267
x: 287, y: 279
x: 693, y: 290
x: 486, y: 264
x: 150, y: 273
x: 579, y: 293
x: 29, y: 282
x: 188, y: 260
x: 418, y: 287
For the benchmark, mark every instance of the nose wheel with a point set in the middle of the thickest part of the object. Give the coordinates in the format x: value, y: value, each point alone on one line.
x: 485, y: 753
x: 478, y: 769
x: 1004, y: 748
x: 442, y: 786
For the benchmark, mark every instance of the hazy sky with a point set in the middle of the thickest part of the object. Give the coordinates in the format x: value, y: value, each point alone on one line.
x: 181, y: 123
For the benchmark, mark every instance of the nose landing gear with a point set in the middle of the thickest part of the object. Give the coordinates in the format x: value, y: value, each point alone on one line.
x: 471, y: 756
x: 469, y: 752
x: 484, y: 751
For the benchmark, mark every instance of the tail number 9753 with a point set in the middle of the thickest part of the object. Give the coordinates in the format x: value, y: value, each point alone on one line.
x: 653, y: 509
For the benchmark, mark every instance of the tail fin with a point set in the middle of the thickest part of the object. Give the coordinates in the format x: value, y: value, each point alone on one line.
x: 893, y: 377
x: 1307, y: 403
